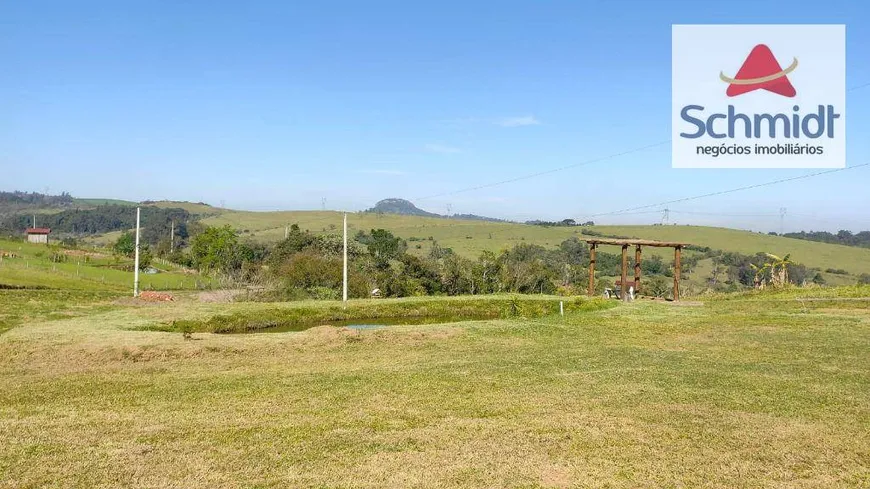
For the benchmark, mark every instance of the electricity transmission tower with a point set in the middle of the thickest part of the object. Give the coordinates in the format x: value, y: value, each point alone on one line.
x: 666, y: 216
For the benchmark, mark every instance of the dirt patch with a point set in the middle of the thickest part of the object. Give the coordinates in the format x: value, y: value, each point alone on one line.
x: 151, y: 296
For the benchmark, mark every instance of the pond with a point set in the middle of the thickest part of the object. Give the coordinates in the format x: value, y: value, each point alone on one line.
x: 364, y: 324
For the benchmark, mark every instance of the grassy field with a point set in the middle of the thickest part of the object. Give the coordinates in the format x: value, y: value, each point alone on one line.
x: 749, y: 390
x: 33, y: 266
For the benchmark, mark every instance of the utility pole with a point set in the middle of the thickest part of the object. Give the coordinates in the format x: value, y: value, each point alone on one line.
x: 172, y: 237
x: 449, y: 209
x: 344, y: 281
x: 323, y: 204
x: 34, y: 220
x: 136, y: 260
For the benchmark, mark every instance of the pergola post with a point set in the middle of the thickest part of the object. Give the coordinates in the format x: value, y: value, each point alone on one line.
x: 677, y: 250
x: 638, y: 244
x: 592, y: 269
x: 637, y: 270
x: 623, y: 290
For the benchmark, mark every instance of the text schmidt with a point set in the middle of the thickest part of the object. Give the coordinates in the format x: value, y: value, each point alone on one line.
x: 720, y: 126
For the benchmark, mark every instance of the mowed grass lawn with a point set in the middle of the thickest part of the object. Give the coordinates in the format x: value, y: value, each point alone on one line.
x: 749, y: 391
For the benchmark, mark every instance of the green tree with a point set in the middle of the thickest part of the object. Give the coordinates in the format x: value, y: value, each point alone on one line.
x: 125, y: 245
x: 485, y: 273
x: 216, y: 249
x: 424, y: 271
x: 384, y: 247
x: 457, y: 276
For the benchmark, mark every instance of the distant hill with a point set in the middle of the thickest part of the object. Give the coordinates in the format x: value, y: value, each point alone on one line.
x: 401, y: 207
x: 404, y: 207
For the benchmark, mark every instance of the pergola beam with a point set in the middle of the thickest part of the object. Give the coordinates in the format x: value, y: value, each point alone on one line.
x: 634, y: 242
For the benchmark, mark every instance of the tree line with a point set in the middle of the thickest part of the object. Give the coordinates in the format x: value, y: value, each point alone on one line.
x: 307, y: 265
x: 35, y: 199
x: 843, y: 237
x: 108, y: 218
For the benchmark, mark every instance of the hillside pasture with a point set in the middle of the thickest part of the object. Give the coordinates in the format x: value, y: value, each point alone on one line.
x: 35, y: 266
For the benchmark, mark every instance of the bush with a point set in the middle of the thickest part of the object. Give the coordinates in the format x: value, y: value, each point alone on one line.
x: 656, y: 286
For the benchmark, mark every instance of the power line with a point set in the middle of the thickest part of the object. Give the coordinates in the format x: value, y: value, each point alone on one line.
x: 729, y: 191
x: 865, y: 85
x: 546, y: 172
x: 573, y: 165
x: 720, y: 214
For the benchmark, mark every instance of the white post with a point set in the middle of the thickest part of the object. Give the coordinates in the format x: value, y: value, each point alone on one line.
x: 561, y: 309
x: 172, y: 237
x: 136, y: 260
x: 344, y: 282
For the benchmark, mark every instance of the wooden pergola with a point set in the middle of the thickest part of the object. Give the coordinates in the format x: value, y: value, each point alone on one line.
x: 638, y: 244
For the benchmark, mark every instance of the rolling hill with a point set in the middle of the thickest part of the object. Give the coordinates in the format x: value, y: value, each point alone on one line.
x: 470, y: 237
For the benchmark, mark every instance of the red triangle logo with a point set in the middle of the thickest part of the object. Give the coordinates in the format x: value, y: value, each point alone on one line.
x: 761, y: 70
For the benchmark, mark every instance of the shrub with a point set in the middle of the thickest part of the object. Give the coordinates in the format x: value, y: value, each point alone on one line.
x: 656, y: 286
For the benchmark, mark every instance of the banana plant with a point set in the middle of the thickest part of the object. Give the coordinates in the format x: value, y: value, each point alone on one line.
x: 760, y: 274
x: 779, y: 269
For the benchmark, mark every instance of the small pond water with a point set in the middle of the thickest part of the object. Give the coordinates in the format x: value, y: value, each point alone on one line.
x: 364, y: 324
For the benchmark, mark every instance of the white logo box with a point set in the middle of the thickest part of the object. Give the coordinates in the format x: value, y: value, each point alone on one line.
x: 701, y: 52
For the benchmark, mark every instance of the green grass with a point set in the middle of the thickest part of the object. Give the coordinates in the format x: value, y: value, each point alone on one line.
x: 27, y: 306
x: 83, y: 270
x: 751, y: 390
x: 97, y: 202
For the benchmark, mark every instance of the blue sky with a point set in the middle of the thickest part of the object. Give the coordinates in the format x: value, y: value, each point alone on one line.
x: 276, y: 105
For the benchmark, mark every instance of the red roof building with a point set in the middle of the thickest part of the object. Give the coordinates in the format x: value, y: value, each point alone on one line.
x: 38, y: 235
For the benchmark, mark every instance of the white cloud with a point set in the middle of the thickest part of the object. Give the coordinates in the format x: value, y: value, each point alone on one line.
x: 440, y: 148
x: 525, y: 120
